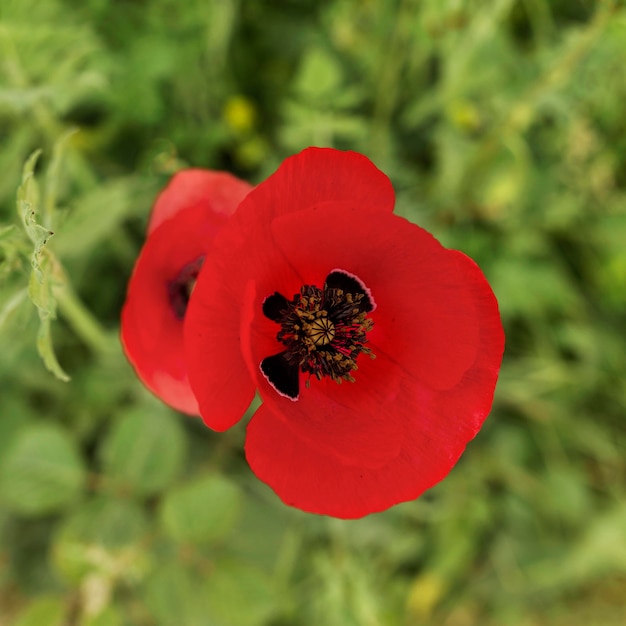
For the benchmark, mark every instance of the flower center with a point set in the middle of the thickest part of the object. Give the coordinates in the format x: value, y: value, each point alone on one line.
x: 323, y: 331
x: 179, y: 290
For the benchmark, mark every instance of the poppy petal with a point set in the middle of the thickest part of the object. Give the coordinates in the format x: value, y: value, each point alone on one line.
x: 225, y: 347
x: 308, y: 477
x: 426, y: 318
x: 219, y: 192
x: 362, y: 427
x: 151, y: 332
x: 186, y: 217
x: 305, y: 477
x: 243, y: 252
x: 472, y: 397
x: 339, y: 176
x: 218, y: 318
x: 218, y: 373
x: 351, y: 449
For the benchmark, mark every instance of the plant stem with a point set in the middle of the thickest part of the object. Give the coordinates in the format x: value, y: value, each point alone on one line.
x: 82, y: 321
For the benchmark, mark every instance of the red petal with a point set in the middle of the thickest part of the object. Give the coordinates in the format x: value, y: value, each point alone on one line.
x: 473, y: 395
x: 321, y: 175
x: 426, y: 319
x: 151, y: 333
x: 218, y: 316
x: 350, y: 449
x: 217, y: 370
x: 219, y: 192
x: 304, y: 477
x: 187, y: 214
x: 313, y: 176
x: 243, y: 252
x: 363, y: 426
x: 219, y: 346
x: 437, y: 425
x: 425, y: 336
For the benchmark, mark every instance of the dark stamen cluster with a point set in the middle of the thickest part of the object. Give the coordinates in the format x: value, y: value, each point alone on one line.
x: 323, y: 331
x: 179, y: 290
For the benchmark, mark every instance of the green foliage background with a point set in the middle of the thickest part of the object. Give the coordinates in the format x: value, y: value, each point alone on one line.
x: 503, y: 128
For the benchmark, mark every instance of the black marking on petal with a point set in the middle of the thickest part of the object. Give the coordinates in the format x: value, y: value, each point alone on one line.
x: 349, y: 283
x: 281, y: 375
x: 323, y: 332
x: 275, y: 306
x: 179, y: 290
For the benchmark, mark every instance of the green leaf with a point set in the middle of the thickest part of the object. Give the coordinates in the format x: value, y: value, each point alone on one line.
x: 43, y: 612
x: 602, y: 547
x: 239, y: 595
x: 204, y: 510
x: 16, y: 414
x: 513, y: 279
x: 97, y: 213
x: 41, y: 472
x: 319, y: 75
x: 28, y: 206
x: 175, y: 597
x: 46, y: 351
x: 231, y: 594
x: 42, y: 277
x: 40, y: 293
x: 102, y: 538
x: 144, y: 452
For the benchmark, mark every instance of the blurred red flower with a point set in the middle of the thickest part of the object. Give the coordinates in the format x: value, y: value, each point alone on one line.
x: 310, y: 280
x: 185, y: 219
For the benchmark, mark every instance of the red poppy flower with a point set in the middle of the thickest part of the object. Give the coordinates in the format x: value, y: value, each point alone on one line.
x: 314, y: 282
x: 186, y: 216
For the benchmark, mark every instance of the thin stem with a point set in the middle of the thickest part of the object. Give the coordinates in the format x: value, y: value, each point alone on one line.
x: 12, y: 305
x: 82, y: 321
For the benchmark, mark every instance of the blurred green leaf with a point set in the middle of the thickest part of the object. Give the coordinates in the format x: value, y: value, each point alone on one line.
x: 15, y: 416
x: 239, y: 595
x: 98, y: 212
x: 203, y: 510
x: 231, y: 594
x: 175, y: 596
x: 144, y: 452
x: 103, y: 537
x: 319, y: 75
x: 41, y: 472
x: 48, y: 611
x: 602, y: 549
x: 529, y: 288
